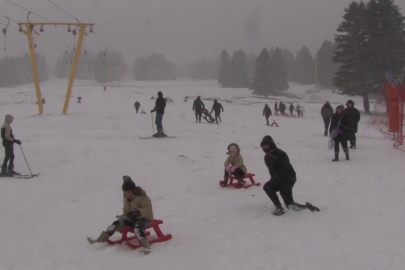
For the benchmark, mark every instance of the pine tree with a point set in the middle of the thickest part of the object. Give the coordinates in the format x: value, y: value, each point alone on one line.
x: 290, y: 64
x: 223, y: 72
x: 305, y: 68
x: 239, y: 70
x: 262, y: 82
x: 279, y: 72
x: 326, y: 67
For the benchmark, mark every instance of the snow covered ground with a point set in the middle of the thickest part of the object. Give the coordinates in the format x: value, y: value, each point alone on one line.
x: 82, y: 157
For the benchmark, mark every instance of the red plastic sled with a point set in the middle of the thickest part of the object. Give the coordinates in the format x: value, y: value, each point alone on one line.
x: 245, y: 186
x: 127, y: 239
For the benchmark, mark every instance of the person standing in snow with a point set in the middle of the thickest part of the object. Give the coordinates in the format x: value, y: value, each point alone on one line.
x: 217, y: 107
x: 283, y: 178
x: 137, y: 214
x: 275, y: 109
x: 136, y: 106
x: 234, y: 165
x: 8, y: 141
x: 291, y: 108
x: 354, y: 119
x: 160, y: 105
x: 282, y: 108
x: 326, y: 113
x: 267, y: 113
x: 198, y: 107
x: 339, y: 124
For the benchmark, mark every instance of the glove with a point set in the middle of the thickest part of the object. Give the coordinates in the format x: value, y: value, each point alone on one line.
x: 151, y: 111
x: 234, y: 167
x: 134, y: 215
x: 17, y: 142
x: 227, y: 169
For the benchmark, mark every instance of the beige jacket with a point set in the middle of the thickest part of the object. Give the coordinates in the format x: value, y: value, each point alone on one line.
x: 139, y: 201
x: 238, y: 161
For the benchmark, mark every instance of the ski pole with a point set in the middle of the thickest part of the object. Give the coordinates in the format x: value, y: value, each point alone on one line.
x: 25, y: 160
x: 153, y: 127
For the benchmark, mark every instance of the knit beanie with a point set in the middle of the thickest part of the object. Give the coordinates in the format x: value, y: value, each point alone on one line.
x: 128, y: 183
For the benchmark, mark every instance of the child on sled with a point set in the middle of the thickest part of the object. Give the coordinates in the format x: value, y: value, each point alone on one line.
x: 137, y: 214
x: 234, y: 165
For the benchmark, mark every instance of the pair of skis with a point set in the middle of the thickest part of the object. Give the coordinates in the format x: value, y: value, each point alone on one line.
x: 20, y: 176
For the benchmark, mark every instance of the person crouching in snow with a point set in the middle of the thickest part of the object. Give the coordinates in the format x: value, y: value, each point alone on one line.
x: 137, y: 214
x: 283, y: 178
x: 234, y: 165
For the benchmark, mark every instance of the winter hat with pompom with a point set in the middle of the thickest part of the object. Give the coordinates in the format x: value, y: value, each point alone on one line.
x: 128, y: 183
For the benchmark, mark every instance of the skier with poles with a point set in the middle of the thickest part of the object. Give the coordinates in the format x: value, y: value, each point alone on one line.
x: 8, y: 141
x: 160, y: 105
x: 282, y: 180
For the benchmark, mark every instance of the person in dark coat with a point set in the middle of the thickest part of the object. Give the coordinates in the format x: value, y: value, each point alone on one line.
x: 198, y: 107
x: 275, y: 109
x: 354, y: 118
x: 283, y: 178
x: 160, y: 105
x: 267, y: 113
x: 326, y: 112
x: 217, y: 107
x: 8, y: 141
x: 282, y: 108
x: 291, y: 108
x: 340, y: 122
x: 137, y: 105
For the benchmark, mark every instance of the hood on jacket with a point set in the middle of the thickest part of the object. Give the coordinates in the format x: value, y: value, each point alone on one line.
x: 160, y: 94
x: 215, y: 101
x: 8, y: 119
x: 350, y: 102
x: 237, y: 148
x: 268, y: 140
x: 327, y: 103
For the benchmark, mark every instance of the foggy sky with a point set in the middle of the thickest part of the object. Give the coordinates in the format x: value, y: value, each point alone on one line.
x: 184, y: 30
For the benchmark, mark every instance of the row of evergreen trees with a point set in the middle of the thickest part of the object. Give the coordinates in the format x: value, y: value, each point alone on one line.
x: 154, y: 67
x: 370, y: 41
x: 238, y: 71
x: 17, y: 70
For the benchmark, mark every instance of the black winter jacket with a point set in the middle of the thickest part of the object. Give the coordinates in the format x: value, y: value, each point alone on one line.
x: 278, y: 163
x: 198, y: 105
x: 354, y: 118
x: 216, y: 107
x: 160, y: 105
x: 327, y: 111
x: 344, y: 123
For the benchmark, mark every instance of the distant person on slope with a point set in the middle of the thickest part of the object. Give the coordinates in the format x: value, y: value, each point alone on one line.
x: 137, y: 214
x: 276, y: 109
x: 339, y: 125
x: 198, y: 106
x: 291, y: 108
x: 282, y: 108
x: 326, y: 113
x: 282, y: 180
x: 8, y: 141
x: 160, y: 105
x: 354, y: 119
x: 234, y: 165
x: 267, y: 113
x: 217, y: 107
x: 136, y: 106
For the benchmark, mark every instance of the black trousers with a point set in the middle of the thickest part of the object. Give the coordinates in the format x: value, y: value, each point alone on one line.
x: 8, y: 156
x: 326, y: 121
x: 272, y: 187
x: 239, y: 173
x: 267, y: 119
x: 217, y: 116
x: 198, y: 114
x: 340, y: 139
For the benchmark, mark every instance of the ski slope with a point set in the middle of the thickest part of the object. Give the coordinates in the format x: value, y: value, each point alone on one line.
x: 82, y: 157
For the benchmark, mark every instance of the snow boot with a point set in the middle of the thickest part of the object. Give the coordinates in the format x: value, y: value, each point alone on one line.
x: 240, y: 182
x: 13, y: 172
x: 336, y: 157
x: 6, y: 174
x: 224, y: 182
x: 296, y: 207
x: 145, y: 245
x: 311, y: 207
x: 325, y: 133
x: 279, y: 211
x: 347, y: 155
x: 101, y: 239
